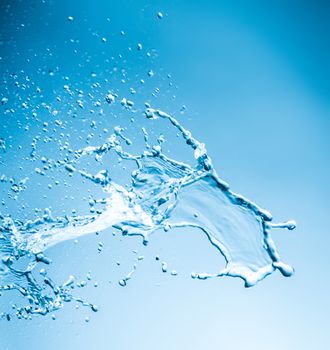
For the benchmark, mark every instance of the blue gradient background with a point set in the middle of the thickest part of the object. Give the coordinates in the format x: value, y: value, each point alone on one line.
x: 255, y: 78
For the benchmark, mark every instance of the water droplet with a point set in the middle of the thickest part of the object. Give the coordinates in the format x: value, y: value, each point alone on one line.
x: 95, y: 308
x: 164, y: 266
x: 4, y: 100
x: 110, y: 98
x: 122, y: 283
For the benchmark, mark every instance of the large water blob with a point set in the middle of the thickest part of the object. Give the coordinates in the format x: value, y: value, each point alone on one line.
x: 163, y: 194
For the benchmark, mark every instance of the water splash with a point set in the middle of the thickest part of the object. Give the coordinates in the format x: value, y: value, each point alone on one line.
x: 163, y: 194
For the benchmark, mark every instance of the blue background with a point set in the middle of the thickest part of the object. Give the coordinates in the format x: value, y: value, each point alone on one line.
x: 254, y: 76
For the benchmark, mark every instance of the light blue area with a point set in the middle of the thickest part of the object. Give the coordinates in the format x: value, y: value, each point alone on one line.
x: 255, y: 80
